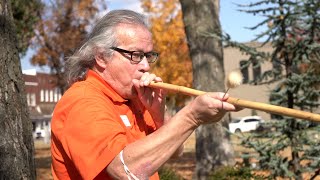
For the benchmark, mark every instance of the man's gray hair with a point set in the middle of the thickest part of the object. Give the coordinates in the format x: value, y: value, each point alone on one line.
x: 102, y: 37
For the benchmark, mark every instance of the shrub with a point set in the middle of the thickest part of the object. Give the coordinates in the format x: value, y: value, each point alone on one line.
x: 234, y: 174
x: 166, y: 173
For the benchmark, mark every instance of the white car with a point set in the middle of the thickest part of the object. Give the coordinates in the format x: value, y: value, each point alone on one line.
x: 245, y: 124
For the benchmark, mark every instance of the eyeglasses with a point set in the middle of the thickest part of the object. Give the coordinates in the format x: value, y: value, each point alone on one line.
x: 137, y: 56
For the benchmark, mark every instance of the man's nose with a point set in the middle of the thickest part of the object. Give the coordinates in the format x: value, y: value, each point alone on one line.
x: 145, y: 64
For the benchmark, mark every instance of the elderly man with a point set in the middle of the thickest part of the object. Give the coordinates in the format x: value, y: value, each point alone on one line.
x: 109, y: 124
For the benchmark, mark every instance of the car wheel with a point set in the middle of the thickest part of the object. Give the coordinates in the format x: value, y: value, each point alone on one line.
x: 237, y: 131
x: 260, y: 128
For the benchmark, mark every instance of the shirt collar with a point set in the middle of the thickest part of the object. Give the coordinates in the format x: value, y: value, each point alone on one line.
x: 100, y: 83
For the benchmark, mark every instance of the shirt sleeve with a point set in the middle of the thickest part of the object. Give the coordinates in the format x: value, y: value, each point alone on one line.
x: 93, y: 136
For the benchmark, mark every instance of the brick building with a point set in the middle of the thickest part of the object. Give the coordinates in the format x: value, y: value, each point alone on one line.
x: 42, y: 96
x: 233, y: 59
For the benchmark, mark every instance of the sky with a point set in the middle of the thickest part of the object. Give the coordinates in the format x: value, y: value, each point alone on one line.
x: 232, y: 21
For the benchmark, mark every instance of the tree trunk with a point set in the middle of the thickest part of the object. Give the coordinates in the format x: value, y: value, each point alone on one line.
x: 293, y: 124
x: 16, y: 143
x: 201, y: 17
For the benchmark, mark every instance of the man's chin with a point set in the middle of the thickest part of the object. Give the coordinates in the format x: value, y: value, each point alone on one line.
x: 132, y: 95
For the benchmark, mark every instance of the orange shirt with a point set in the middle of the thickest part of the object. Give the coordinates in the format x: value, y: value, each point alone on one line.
x: 91, y: 124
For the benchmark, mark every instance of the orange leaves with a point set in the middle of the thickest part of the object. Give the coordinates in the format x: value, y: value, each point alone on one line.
x: 62, y: 28
x: 40, y: 58
x: 174, y: 65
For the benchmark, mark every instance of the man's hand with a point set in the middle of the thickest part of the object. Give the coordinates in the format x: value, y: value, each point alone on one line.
x: 208, y: 108
x: 153, y: 99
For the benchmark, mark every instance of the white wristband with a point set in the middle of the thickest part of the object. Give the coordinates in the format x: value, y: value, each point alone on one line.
x: 126, y: 169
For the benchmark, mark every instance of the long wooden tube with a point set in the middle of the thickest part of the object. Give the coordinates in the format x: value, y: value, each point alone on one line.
x: 243, y: 103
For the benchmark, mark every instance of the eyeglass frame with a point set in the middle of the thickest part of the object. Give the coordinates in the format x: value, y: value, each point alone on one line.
x: 156, y: 54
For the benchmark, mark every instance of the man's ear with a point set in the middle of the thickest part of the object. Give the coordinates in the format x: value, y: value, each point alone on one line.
x: 100, y: 60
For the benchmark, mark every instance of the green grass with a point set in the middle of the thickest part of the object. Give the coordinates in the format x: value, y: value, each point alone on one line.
x: 166, y: 173
x: 226, y: 173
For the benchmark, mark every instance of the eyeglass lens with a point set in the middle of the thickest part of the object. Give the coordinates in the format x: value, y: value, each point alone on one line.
x: 138, y: 56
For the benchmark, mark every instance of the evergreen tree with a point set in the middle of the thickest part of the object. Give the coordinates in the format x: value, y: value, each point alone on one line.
x: 294, y: 34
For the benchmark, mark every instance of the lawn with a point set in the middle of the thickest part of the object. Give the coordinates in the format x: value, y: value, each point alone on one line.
x: 184, y: 165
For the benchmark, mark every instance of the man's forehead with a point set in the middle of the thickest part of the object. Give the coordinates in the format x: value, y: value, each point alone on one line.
x: 130, y: 34
x: 130, y: 29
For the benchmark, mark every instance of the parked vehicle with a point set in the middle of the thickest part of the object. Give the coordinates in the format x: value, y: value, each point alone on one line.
x: 245, y: 124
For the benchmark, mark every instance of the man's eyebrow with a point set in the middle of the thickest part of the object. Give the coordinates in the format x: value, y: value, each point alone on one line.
x: 138, y: 49
x: 147, y: 51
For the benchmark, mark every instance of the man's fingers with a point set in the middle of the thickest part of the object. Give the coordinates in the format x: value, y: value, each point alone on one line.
x: 157, y: 79
x: 147, y: 78
x: 217, y: 101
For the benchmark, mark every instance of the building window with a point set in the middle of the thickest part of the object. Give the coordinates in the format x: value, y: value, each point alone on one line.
x: 59, y: 94
x: 51, y: 95
x: 33, y: 99
x: 256, y: 72
x: 28, y: 99
x: 56, y: 94
x: 244, y: 71
x: 47, y: 95
x: 41, y: 95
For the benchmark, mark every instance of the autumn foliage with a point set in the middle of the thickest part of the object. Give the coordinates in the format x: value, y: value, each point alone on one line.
x: 169, y: 40
x: 63, y: 26
x: 25, y: 19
